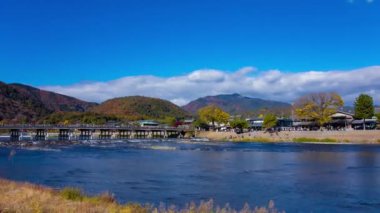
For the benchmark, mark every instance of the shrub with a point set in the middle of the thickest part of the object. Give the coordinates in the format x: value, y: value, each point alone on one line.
x: 331, y: 140
x: 134, y: 208
x: 102, y: 198
x: 301, y: 140
x: 70, y: 193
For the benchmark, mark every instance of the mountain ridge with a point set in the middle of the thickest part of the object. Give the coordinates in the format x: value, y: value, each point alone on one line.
x: 21, y: 103
x: 139, y: 108
x: 237, y: 104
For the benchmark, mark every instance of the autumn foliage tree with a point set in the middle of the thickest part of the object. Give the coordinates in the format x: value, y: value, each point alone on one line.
x: 213, y: 114
x: 318, y: 106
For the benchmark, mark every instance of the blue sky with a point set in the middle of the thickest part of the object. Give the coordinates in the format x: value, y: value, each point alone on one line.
x: 44, y: 42
x: 181, y: 50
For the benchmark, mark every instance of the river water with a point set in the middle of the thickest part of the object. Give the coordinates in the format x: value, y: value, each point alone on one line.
x: 298, y: 177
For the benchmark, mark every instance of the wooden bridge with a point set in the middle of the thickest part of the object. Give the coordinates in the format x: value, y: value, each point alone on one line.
x: 88, y: 132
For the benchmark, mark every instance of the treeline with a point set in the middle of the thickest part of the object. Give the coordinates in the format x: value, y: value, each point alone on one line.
x: 316, y: 107
x: 69, y: 118
x: 319, y: 107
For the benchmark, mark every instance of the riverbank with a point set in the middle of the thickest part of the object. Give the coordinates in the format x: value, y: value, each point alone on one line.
x: 362, y: 137
x: 26, y: 197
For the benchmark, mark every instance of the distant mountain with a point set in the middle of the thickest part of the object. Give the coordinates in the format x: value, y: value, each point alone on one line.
x: 21, y: 103
x: 236, y: 104
x: 139, y: 107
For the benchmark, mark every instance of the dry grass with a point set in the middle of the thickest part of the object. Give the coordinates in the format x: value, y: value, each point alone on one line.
x: 24, y: 197
x: 349, y: 136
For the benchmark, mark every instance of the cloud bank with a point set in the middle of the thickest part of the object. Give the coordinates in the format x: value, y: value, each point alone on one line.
x: 272, y: 84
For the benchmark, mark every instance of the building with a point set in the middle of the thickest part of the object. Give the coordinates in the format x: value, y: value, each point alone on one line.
x: 302, y: 125
x: 148, y: 123
x: 340, y: 120
x: 370, y: 124
x: 256, y: 124
x: 187, y: 123
x: 284, y: 124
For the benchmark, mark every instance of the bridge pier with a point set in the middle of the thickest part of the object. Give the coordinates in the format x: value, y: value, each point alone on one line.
x: 124, y: 134
x: 15, y: 134
x: 40, y: 135
x: 105, y: 134
x: 85, y: 134
x: 64, y: 135
x: 157, y: 134
x: 141, y: 134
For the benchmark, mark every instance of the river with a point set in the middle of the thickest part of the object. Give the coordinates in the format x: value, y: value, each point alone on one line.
x: 298, y: 177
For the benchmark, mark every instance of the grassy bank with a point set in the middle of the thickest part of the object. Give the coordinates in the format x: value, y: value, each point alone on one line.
x: 370, y: 136
x: 25, y: 197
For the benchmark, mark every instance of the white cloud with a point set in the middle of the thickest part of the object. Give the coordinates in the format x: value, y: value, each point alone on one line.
x: 272, y: 84
x: 206, y: 76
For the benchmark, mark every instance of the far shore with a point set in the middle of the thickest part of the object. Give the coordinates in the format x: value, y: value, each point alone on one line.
x: 336, y: 137
x: 317, y: 137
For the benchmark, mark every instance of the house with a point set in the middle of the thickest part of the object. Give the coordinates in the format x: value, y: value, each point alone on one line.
x: 340, y: 120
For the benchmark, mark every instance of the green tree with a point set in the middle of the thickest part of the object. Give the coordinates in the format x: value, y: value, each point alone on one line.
x: 270, y: 121
x: 213, y: 114
x: 239, y: 124
x: 169, y: 120
x: 318, y: 106
x: 377, y: 116
x: 364, y: 108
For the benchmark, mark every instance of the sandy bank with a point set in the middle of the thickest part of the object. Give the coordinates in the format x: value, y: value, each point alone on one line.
x: 370, y: 136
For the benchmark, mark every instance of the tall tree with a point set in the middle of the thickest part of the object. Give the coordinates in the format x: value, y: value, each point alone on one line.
x: 213, y: 114
x: 270, y: 121
x: 318, y: 106
x: 377, y: 116
x: 364, y: 108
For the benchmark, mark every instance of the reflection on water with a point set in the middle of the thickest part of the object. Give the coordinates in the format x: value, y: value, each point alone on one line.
x: 299, y: 177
